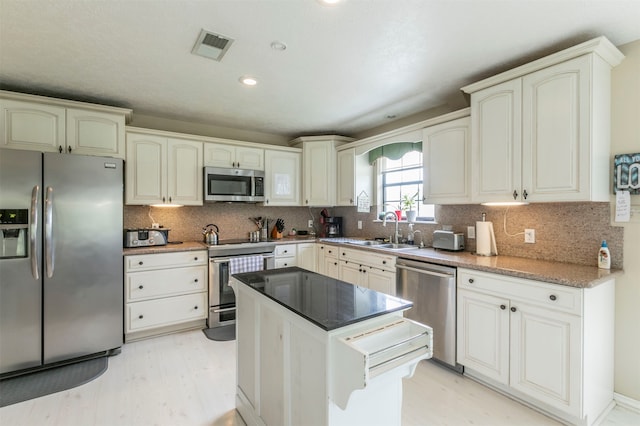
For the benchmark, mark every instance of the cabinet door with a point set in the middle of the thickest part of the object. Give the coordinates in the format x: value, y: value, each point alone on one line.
x: 331, y: 268
x: 483, y: 334
x: 271, y: 370
x: 446, y: 156
x: 184, y: 172
x: 345, y: 184
x: 546, y: 355
x: 382, y: 281
x: 306, y: 256
x: 496, y: 138
x: 26, y: 125
x: 95, y: 133
x: 350, y: 272
x: 219, y: 155
x: 146, y: 165
x: 319, y: 174
x: 249, y: 158
x: 556, y: 142
x: 282, y: 178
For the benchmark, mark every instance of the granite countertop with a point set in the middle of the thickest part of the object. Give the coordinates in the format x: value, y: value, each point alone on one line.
x: 567, y: 274
x: 326, y: 302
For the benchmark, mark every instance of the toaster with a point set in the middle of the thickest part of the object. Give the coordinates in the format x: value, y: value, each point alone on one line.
x: 448, y: 240
x: 144, y: 237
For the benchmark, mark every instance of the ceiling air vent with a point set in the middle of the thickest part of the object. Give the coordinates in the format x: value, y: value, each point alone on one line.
x: 211, y: 45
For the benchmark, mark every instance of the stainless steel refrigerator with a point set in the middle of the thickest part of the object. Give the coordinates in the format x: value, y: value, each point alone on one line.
x: 61, y: 292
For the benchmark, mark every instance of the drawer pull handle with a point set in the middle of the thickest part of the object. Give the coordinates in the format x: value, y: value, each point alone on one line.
x: 140, y: 316
x: 470, y: 280
x: 503, y: 307
x: 553, y: 297
x: 513, y: 309
x: 140, y: 286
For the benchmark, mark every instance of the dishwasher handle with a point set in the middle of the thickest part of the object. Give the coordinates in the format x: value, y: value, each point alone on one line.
x: 425, y: 271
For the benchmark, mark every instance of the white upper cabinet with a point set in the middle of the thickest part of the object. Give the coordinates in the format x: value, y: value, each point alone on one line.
x: 446, y: 154
x: 235, y: 157
x: 161, y: 170
x: 53, y: 125
x: 540, y: 132
x: 282, y: 178
x: 354, y: 175
x: 319, y: 168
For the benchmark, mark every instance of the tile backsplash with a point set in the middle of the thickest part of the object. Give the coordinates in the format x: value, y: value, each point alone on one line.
x: 566, y: 232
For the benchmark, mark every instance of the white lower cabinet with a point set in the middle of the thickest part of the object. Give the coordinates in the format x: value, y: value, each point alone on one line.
x: 164, y: 292
x: 306, y: 256
x: 327, y: 258
x: 286, y: 256
x: 547, y: 344
x: 365, y: 269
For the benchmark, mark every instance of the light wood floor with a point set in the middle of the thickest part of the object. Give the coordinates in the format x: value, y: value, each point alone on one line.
x: 186, y: 379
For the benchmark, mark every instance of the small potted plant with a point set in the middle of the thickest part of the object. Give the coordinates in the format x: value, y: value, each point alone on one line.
x: 407, y: 204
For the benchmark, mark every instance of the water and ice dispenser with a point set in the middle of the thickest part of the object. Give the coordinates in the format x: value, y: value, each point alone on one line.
x: 14, y: 233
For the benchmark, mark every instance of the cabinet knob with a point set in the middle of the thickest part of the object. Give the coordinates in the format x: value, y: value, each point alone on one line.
x: 141, y: 263
x: 525, y: 194
x: 69, y: 149
x: 60, y: 149
x: 503, y: 307
x: 470, y: 280
x: 163, y: 199
x: 344, y: 254
x: 322, y: 248
x: 306, y: 201
x: 285, y: 251
x: 195, y: 258
x: 513, y: 309
x: 515, y: 194
x: 384, y: 262
x: 140, y: 287
x: 286, y: 264
x: 140, y: 316
x: 195, y: 307
x: 335, y: 263
x: 329, y: 251
x: 350, y: 200
x: 266, y: 201
x: 553, y: 297
x: 195, y: 281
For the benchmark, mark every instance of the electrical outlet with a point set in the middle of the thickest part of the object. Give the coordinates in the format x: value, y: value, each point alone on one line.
x: 471, y: 231
x: 310, y: 223
x: 359, y: 224
x: 530, y: 236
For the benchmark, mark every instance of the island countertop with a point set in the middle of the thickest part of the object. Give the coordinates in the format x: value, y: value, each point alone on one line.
x: 326, y: 302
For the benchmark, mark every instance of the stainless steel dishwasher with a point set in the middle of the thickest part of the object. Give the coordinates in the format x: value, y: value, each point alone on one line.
x: 432, y: 289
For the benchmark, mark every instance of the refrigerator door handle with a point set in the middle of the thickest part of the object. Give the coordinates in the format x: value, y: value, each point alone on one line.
x: 48, y: 232
x: 33, y: 229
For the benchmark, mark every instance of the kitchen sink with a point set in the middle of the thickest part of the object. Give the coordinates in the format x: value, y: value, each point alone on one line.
x: 382, y: 245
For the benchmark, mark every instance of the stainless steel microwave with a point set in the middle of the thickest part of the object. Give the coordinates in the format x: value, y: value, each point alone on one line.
x: 241, y: 185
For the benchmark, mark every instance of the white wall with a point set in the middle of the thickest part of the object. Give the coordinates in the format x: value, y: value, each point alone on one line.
x: 625, y: 139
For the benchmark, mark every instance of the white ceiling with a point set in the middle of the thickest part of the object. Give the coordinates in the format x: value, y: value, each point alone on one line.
x: 345, y: 70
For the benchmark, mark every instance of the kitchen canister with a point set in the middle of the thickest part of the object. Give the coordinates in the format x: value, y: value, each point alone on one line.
x: 485, y: 238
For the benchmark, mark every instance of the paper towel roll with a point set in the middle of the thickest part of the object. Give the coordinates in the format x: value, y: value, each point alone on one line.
x: 485, y: 239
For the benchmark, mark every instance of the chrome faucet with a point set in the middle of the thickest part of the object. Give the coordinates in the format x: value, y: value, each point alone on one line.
x: 394, y: 237
x: 421, y: 238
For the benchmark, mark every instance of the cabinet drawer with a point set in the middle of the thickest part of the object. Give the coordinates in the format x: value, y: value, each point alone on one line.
x: 553, y: 296
x: 145, y: 262
x: 329, y: 251
x: 162, y: 312
x: 151, y: 284
x: 285, y: 262
x: 285, y: 250
x: 368, y: 258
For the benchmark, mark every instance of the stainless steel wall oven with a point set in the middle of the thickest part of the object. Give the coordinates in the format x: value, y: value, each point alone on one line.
x: 225, y: 259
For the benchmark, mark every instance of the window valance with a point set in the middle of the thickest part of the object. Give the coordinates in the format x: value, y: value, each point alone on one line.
x: 394, y: 151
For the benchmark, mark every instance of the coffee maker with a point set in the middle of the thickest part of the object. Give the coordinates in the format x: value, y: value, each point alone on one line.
x: 332, y: 227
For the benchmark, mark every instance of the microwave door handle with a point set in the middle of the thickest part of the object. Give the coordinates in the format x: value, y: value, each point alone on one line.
x: 253, y: 186
x: 33, y: 229
x: 48, y: 232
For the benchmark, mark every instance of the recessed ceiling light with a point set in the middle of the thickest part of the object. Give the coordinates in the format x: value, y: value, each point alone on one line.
x: 278, y: 45
x: 248, y: 81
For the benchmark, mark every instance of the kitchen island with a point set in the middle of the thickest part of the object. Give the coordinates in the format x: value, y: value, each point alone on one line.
x: 315, y: 350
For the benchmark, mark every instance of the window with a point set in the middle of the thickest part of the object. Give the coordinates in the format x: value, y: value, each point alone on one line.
x: 404, y: 177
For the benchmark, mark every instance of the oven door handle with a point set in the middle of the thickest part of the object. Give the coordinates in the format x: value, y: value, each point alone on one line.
x: 224, y: 310
x: 226, y: 259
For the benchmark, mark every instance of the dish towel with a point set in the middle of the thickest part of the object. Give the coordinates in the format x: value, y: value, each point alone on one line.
x: 245, y: 264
